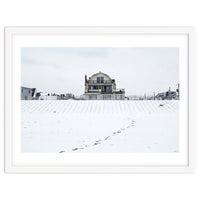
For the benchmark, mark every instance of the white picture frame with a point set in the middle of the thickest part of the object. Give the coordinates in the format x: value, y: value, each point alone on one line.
x: 10, y: 95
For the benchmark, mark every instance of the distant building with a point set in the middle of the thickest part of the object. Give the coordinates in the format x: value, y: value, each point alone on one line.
x: 48, y: 96
x: 28, y: 93
x: 169, y: 95
x: 101, y: 87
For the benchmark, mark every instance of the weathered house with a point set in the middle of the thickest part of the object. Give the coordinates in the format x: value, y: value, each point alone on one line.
x: 101, y: 87
x: 28, y: 93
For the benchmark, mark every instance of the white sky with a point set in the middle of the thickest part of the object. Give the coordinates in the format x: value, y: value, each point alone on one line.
x: 137, y: 70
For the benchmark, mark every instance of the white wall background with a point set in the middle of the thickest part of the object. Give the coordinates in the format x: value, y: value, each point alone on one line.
x: 96, y: 13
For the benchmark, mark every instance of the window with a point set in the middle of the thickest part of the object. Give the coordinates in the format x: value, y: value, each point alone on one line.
x: 93, y: 97
x: 118, y: 97
x: 100, y: 79
x: 107, y: 88
x: 93, y: 87
x: 106, y: 97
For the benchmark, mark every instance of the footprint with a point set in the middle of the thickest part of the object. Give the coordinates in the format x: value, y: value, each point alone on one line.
x: 75, y: 149
x: 107, y: 138
x: 119, y: 131
x: 97, y: 142
x: 61, y: 151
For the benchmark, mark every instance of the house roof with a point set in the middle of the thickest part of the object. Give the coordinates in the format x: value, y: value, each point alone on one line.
x: 100, y: 73
x: 28, y: 88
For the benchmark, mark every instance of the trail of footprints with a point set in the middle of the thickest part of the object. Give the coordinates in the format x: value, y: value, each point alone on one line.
x: 98, y: 142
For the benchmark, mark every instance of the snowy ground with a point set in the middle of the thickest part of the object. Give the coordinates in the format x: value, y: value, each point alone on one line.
x: 100, y: 126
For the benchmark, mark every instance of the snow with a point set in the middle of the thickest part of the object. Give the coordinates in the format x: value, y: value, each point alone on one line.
x: 57, y: 126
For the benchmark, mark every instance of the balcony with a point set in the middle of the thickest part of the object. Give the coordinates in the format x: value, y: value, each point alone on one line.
x: 119, y: 91
x: 106, y: 91
x: 93, y: 91
x: 99, y: 91
x: 101, y: 82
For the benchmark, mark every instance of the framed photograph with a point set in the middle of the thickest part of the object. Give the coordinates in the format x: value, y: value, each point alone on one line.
x: 99, y: 100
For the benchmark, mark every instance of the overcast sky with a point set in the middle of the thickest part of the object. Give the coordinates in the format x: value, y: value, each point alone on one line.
x: 137, y: 70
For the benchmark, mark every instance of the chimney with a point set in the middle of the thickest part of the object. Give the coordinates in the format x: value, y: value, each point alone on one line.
x: 85, y: 78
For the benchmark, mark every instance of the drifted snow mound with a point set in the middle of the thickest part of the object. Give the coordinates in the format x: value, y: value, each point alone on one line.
x: 100, y: 126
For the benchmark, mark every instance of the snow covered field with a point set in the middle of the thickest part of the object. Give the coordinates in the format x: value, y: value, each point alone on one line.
x: 54, y: 126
